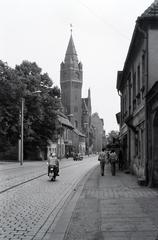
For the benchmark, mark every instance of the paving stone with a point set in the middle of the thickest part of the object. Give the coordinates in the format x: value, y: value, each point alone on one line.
x: 120, y: 214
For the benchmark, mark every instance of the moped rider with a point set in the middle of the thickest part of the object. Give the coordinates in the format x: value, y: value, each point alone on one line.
x: 53, y: 161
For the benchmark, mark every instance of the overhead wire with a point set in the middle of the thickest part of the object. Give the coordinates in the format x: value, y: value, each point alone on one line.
x: 112, y: 27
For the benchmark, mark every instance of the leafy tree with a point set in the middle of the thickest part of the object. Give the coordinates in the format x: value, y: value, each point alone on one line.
x: 42, y: 101
x: 112, y: 137
x: 10, y: 89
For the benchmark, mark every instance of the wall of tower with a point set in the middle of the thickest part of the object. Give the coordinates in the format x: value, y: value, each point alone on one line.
x: 66, y: 96
x: 76, y: 103
x: 71, y: 88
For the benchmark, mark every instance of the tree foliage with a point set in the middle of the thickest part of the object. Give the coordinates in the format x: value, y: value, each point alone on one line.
x: 41, y: 102
x: 112, y: 137
x: 10, y: 89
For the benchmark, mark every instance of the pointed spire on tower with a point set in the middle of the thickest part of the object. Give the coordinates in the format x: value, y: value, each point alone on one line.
x: 71, y: 51
x: 71, y: 54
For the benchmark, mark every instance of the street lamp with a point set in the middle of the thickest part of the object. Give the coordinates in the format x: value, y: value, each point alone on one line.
x: 21, y: 141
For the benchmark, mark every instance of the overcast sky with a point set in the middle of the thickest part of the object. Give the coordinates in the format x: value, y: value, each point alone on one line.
x: 39, y: 30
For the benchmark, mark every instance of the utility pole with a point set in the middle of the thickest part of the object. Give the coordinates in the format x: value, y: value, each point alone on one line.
x: 22, y: 132
x: 21, y: 142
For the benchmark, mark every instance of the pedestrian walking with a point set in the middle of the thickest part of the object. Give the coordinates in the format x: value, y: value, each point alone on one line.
x: 102, y: 159
x: 113, y: 160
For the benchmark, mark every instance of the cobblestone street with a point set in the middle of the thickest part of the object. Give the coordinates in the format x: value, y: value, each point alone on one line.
x: 28, y: 210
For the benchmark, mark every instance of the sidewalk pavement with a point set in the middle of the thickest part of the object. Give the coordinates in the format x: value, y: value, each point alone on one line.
x: 109, y: 207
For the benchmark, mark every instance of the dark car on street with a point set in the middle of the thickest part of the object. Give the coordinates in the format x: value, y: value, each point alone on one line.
x: 77, y: 157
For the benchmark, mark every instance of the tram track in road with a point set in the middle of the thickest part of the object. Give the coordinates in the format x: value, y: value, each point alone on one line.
x: 30, y: 179
x: 33, y: 206
x: 21, y: 183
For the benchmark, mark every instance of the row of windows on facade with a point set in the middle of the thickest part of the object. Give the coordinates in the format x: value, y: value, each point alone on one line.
x: 134, y: 90
x: 138, y: 146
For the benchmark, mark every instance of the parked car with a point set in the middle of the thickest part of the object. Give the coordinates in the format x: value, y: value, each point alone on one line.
x: 77, y: 157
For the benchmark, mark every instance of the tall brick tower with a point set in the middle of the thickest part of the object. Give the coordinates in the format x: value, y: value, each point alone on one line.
x: 71, y: 85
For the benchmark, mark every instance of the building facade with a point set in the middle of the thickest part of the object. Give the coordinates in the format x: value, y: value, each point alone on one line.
x: 134, y: 82
x: 99, y: 133
x: 152, y: 133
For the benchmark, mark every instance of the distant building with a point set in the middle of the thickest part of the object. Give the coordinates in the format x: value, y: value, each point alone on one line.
x: 137, y: 87
x: 99, y: 133
x: 76, y: 108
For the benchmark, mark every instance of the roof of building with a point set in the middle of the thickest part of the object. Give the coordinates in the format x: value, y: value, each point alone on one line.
x: 151, y: 11
x: 64, y: 121
x: 71, y: 54
x: 78, y: 132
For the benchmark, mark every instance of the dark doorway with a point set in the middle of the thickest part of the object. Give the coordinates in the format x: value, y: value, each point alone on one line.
x: 155, y: 150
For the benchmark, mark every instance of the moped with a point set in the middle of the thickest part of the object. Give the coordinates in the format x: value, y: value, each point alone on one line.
x: 52, y: 172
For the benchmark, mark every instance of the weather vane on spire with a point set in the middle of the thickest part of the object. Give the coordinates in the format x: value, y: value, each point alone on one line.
x: 71, y: 28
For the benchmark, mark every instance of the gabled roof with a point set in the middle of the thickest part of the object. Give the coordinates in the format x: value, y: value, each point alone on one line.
x: 151, y: 11
x: 64, y: 120
x: 78, y: 133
